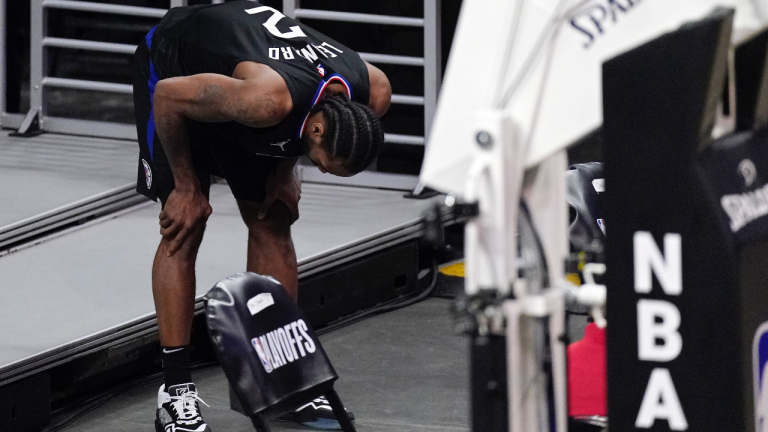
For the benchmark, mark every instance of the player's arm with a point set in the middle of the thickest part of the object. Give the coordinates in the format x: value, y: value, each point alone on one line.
x: 262, y: 100
x: 380, y: 90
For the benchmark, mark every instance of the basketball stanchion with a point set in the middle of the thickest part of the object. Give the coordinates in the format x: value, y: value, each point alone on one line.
x: 271, y: 356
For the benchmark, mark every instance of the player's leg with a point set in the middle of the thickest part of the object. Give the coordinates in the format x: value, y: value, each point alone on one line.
x: 173, y: 288
x: 173, y: 278
x: 270, y: 247
x: 271, y: 252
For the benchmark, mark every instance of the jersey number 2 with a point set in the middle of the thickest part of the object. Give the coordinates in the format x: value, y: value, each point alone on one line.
x: 271, y: 23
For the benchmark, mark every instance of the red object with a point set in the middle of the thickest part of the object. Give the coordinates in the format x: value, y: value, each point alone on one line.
x: 587, y: 374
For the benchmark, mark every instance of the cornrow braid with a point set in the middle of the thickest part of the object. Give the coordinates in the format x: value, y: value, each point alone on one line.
x: 353, y: 132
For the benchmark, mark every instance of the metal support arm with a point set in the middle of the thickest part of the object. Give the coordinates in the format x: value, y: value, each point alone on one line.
x: 498, y: 181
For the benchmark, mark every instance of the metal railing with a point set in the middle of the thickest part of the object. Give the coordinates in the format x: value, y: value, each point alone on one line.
x: 39, y: 83
x: 106, y: 8
x: 431, y: 62
x: 88, y: 45
x: 353, y: 17
x: 40, y: 43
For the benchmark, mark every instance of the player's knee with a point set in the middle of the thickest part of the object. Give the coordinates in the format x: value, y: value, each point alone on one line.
x: 275, y: 225
x: 277, y: 219
x: 188, y: 251
x: 199, y: 229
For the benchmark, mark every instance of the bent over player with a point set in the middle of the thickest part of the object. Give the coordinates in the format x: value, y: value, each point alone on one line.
x: 238, y: 90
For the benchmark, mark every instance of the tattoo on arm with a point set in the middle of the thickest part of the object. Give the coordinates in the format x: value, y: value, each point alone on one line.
x: 211, y: 93
x: 252, y: 110
x: 257, y: 109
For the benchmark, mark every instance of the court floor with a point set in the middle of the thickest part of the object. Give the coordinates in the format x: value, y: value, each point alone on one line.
x: 403, y: 371
x: 42, y: 173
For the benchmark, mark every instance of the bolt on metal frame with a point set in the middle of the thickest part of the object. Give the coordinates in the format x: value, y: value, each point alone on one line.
x: 39, y: 82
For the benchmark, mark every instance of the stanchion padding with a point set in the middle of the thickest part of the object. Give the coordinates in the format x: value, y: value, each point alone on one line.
x: 269, y: 353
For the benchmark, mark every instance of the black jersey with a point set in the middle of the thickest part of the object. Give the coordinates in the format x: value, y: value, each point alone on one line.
x: 215, y: 38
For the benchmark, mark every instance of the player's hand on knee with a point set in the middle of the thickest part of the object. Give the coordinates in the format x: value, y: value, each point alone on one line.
x: 184, y: 211
x: 284, y: 184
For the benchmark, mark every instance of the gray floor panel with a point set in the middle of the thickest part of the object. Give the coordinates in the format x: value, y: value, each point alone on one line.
x: 94, y: 279
x: 403, y: 371
x: 41, y: 173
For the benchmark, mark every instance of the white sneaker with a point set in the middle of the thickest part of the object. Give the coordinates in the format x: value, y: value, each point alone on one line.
x: 177, y: 410
x: 317, y: 414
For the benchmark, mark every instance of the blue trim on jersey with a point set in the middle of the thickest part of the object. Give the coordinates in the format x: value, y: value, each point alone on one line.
x: 318, y: 92
x: 153, y: 79
x: 349, y: 86
x: 149, y: 36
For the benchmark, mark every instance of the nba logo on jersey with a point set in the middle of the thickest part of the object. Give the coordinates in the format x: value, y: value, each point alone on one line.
x: 760, y: 380
x: 262, y: 355
x: 321, y: 70
x: 147, y: 174
x: 601, y: 224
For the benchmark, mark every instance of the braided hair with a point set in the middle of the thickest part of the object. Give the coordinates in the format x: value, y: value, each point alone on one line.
x: 353, y: 132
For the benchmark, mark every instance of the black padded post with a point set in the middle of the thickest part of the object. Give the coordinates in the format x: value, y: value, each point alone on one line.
x: 752, y: 82
x: 660, y: 101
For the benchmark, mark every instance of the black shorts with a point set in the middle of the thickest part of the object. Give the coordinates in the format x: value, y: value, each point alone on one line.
x: 245, y: 172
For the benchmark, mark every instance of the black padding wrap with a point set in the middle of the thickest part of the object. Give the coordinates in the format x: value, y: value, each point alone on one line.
x: 585, y: 206
x: 269, y: 353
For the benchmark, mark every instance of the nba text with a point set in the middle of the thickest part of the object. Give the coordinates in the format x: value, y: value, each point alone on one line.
x: 658, y: 324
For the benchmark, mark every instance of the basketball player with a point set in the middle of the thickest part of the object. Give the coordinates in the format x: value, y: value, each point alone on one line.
x: 240, y: 91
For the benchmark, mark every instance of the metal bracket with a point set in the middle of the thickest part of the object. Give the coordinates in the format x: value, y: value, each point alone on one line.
x: 30, y: 126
